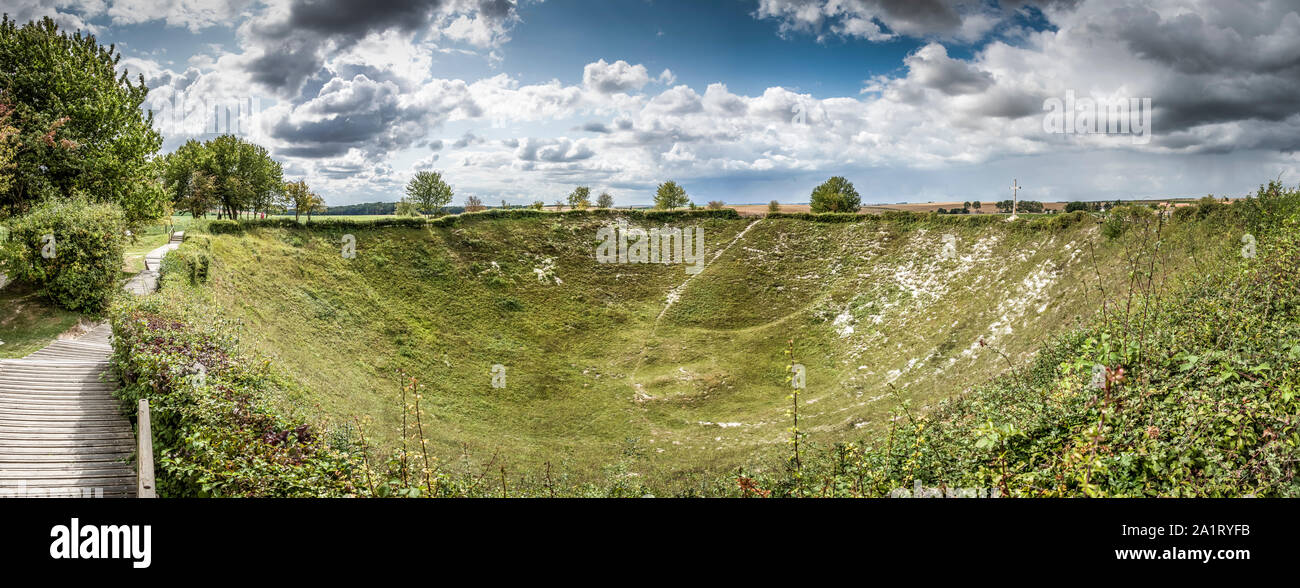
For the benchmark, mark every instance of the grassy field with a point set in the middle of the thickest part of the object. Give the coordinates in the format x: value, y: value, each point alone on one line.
x: 605, y: 378
x: 28, y: 322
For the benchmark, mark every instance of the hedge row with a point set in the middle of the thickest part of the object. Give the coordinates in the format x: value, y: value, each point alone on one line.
x: 904, y: 217
x: 189, y: 262
x: 221, y: 227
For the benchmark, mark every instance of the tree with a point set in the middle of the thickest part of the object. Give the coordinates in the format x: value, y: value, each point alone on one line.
x: 79, y: 127
x: 315, y: 204
x: 406, y: 208
x: 244, y: 177
x: 580, y: 197
x: 538, y: 205
x: 429, y: 192
x: 836, y: 195
x: 8, y: 148
x: 605, y: 200
x: 716, y: 205
x: 773, y: 206
x: 976, y: 205
x: 199, y: 194
x: 1076, y: 206
x: 669, y: 195
x: 301, y: 198
x: 474, y: 204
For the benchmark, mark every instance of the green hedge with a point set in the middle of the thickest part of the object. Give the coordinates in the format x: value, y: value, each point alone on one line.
x: 907, y: 218
x: 224, y: 227
x: 88, y: 241
x: 216, y: 435
x: 189, y: 262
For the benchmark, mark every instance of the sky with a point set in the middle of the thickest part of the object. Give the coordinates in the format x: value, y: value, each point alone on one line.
x: 742, y: 101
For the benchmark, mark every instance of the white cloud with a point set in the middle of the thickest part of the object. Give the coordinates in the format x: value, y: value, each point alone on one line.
x: 620, y: 76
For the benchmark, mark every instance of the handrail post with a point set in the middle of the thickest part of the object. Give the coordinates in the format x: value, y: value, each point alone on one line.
x: 144, y: 454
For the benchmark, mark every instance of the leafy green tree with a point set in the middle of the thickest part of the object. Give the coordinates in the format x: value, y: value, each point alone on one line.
x: 605, y: 200
x: 1076, y: 206
x: 315, y: 204
x: 199, y: 194
x: 429, y: 192
x: 836, y: 195
x: 299, y: 196
x: 243, y: 175
x: 80, y: 128
x: 774, y: 206
x: 580, y: 197
x: 669, y: 195
x: 976, y: 205
x: 8, y: 148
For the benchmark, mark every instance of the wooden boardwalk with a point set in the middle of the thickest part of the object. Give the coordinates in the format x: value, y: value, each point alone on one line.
x: 61, y: 431
x: 62, y: 434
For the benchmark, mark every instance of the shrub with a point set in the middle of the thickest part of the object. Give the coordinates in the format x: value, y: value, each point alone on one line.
x: 215, y: 433
x: 189, y: 262
x: 715, y: 205
x: 223, y: 227
x: 70, y: 250
x: 774, y: 206
x: 1121, y: 218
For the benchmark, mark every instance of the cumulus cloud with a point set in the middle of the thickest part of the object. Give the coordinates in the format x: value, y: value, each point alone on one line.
x: 881, y: 20
x: 355, y: 90
x: 608, y: 78
x: 290, y: 42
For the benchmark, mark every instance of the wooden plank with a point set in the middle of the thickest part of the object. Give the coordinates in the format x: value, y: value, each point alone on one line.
x: 144, y: 453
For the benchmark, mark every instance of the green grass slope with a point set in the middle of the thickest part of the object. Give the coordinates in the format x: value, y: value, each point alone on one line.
x: 643, y: 371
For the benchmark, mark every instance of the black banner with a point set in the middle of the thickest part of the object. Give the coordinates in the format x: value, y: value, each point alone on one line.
x: 306, y: 538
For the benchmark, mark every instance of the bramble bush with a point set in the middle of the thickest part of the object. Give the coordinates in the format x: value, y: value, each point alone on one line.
x: 215, y: 432
x: 70, y: 250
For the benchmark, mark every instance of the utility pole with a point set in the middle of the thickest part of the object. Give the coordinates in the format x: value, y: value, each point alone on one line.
x: 1015, y: 197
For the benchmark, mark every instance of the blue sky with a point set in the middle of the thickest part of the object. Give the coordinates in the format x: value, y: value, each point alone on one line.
x: 937, y: 100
